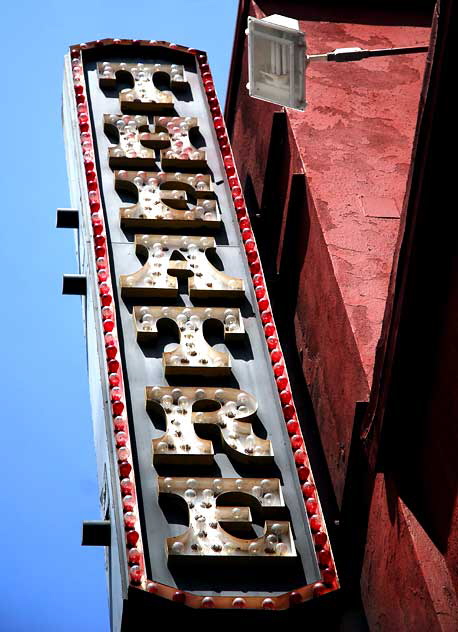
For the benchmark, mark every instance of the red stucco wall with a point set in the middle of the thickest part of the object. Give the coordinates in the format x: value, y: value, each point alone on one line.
x: 354, y: 144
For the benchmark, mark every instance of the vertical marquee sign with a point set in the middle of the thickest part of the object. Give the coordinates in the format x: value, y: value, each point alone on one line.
x: 203, y: 471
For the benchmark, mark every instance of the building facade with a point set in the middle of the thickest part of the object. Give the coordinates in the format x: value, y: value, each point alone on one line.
x: 351, y: 207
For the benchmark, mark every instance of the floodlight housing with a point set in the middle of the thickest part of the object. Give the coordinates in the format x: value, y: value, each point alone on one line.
x: 276, y: 61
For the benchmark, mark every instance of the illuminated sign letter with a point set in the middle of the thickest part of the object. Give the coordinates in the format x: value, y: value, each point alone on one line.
x: 153, y: 279
x: 225, y: 409
x: 163, y: 200
x: 138, y: 141
x: 143, y: 95
x: 193, y: 355
x: 206, y: 536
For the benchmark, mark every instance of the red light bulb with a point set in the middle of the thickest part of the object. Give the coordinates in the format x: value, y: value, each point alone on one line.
x: 296, y: 442
x: 266, y: 316
x: 125, y: 469
x: 128, y: 503
x: 116, y: 394
x: 136, y: 574
x: 120, y: 424
x: 303, y: 473
x: 300, y: 457
x: 263, y: 303
x: 319, y: 589
x: 113, y: 366
x: 324, y: 557
x: 108, y: 325
x: 239, y: 202
x: 320, y: 538
x: 285, y: 396
x: 276, y: 356
x: 308, y: 489
x: 239, y: 602
x: 207, y: 602
x: 111, y: 351
x: 268, y: 604
x: 134, y: 556
x: 179, y: 596
x: 278, y: 368
x: 129, y: 520
x: 311, y: 505
x: 152, y: 587
x: 328, y: 575
x: 123, y: 453
x: 288, y: 411
x: 121, y: 438
x: 132, y: 537
x: 315, y: 522
x: 255, y: 266
x: 272, y: 342
x: 250, y: 245
x: 295, y: 598
x: 269, y: 330
x: 101, y: 263
x: 127, y: 487
x: 109, y: 340
x: 292, y: 426
x: 118, y: 407
x: 114, y: 379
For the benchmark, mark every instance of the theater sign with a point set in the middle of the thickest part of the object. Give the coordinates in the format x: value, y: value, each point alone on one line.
x: 204, y: 476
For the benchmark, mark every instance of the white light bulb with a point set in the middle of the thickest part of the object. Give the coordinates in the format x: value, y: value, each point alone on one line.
x: 208, y: 495
x: 281, y: 548
x: 268, y: 499
x: 190, y: 495
x: 256, y: 490
x: 218, y: 484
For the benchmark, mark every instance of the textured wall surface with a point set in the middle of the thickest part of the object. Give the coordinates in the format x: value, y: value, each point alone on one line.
x: 354, y: 145
x: 343, y: 197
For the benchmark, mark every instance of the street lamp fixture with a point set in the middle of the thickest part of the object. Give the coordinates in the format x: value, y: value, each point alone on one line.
x: 277, y: 59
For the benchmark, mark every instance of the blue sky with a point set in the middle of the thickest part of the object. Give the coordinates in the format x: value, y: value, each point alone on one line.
x: 48, y: 581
